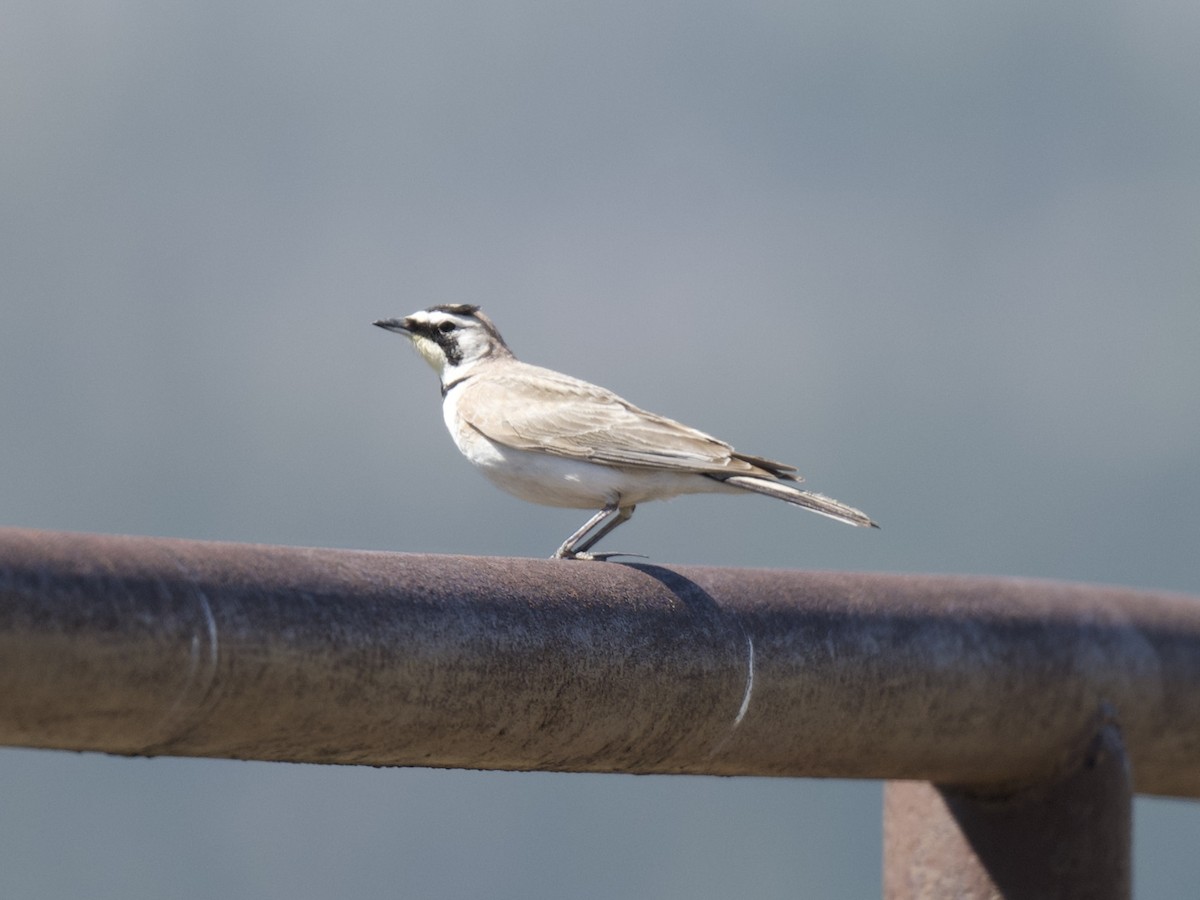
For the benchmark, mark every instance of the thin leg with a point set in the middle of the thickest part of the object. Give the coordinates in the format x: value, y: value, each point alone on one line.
x: 624, y: 514
x: 611, y: 516
x: 567, y: 550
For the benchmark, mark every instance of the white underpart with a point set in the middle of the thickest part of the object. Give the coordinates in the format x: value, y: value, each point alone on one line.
x: 553, y: 480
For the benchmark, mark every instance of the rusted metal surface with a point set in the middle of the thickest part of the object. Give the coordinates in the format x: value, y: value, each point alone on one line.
x: 150, y: 646
x: 1066, y: 838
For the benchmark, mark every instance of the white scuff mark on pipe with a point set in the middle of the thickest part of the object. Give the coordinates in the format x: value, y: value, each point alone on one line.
x: 198, y: 681
x: 749, y: 683
x: 746, y: 695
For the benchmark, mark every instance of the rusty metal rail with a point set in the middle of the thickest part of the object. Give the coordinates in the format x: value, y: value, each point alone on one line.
x: 987, y: 688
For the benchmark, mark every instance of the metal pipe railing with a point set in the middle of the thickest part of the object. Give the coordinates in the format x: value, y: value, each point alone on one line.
x: 154, y: 646
x: 991, y: 689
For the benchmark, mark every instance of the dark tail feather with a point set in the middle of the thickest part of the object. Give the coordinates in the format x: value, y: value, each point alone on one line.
x: 818, y: 503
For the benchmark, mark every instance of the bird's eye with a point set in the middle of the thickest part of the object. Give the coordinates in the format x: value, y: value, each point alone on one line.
x: 447, y: 327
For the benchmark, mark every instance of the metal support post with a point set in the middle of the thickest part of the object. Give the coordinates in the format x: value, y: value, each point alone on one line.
x: 1067, y: 838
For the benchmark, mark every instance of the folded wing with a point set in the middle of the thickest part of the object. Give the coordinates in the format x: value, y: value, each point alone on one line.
x: 531, y: 408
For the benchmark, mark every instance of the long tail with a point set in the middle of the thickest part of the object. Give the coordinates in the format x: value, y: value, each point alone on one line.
x: 818, y: 503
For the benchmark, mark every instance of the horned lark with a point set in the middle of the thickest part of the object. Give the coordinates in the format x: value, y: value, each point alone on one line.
x: 552, y: 439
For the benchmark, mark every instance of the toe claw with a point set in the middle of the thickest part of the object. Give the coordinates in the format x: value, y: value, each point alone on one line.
x: 596, y: 556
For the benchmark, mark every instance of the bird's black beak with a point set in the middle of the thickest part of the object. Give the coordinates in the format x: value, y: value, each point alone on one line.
x: 398, y: 325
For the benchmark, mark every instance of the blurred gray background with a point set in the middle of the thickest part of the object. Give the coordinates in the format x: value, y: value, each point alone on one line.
x: 944, y: 257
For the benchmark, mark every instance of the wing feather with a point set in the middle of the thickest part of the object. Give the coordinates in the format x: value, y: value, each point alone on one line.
x: 531, y: 408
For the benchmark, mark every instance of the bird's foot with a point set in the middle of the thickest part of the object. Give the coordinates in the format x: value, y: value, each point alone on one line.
x: 598, y: 556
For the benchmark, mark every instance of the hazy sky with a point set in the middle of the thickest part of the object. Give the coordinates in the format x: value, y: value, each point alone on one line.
x: 943, y: 257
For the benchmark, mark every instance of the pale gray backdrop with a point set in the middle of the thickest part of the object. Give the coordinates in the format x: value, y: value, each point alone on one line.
x: 945, y: 257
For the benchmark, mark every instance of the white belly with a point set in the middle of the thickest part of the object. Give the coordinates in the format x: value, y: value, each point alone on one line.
x: 572, y: 483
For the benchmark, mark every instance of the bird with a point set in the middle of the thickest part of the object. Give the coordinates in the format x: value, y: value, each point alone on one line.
x: 555, y: 440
